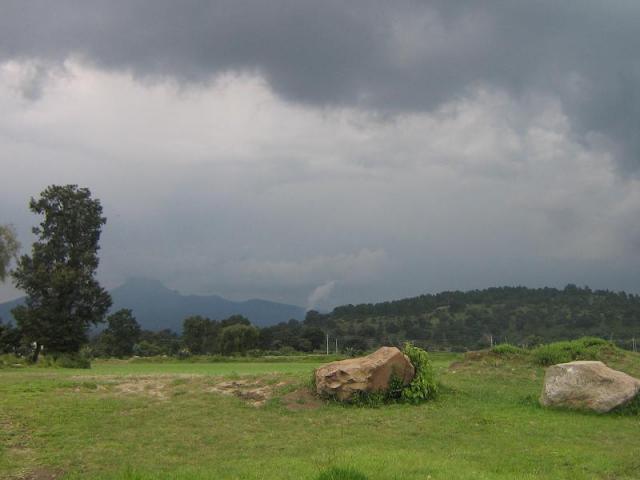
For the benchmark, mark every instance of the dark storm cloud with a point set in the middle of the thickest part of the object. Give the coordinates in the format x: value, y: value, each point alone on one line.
x: 393, y: 56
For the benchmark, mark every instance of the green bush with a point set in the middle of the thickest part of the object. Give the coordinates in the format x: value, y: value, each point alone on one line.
x: 506, y: 349
x: 9, y: 360
x: 592, y: 342
x: 65, y: 360
x: 337, y: 473
x: 73, y: 361
x: 423, y: 386
x: 586, y: 348
x: 551, y: 354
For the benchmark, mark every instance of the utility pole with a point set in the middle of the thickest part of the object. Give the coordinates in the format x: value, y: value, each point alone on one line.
x: 336, y: 345
x: 633, y: 344
x: 327, y: 344
x: 491, y: 340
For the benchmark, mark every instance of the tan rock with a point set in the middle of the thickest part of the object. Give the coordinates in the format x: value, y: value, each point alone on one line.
x: 372, y: 373
x: 586, y: 385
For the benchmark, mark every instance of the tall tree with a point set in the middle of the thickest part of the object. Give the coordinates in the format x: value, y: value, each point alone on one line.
x: 9, y: 247
x: 122, y: 333
x: 238, y: 338
x: 200, y: 335
x: 63, y: 297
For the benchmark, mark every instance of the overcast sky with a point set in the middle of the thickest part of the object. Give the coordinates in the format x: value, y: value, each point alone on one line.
x: 328, y: 152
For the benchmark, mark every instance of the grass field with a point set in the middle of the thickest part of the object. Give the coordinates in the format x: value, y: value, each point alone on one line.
x: 124, y: 420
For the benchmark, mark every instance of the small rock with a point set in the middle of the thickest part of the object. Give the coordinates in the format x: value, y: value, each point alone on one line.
x: 587, y: 385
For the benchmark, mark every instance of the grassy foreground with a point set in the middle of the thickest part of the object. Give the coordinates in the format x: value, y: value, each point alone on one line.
x: 143, y: 421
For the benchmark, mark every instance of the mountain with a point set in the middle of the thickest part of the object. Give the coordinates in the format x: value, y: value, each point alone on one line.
x: 157, y: 307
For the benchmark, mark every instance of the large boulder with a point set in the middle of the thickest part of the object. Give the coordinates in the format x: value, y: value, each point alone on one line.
x: 372, y: 373
x: 586, y: 385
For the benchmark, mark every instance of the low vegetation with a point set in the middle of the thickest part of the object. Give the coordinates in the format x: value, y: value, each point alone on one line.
x: 585, y: 348
x: 507, y: 349
x: 180, y: 420
x: 66, y: 360
x: 423, y: 387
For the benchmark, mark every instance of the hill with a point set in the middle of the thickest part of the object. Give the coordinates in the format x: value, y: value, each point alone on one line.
x: 156, y: 307
x: 470, y: 320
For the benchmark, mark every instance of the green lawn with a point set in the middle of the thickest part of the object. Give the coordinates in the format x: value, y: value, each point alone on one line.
x: 163, y: 421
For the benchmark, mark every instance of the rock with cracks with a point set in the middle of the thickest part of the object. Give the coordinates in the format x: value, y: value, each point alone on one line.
x: 586, y: 385
x: 372, y: 373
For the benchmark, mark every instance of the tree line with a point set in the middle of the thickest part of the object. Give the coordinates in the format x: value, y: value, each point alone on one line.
x: 203, y: 336
x: 123, y: 337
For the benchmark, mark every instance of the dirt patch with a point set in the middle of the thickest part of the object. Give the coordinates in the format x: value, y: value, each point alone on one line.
x: 152, y: 387
x: 160, y: 387
x: 254, y: 392
x: 41, y: 473
x: 301, y: 399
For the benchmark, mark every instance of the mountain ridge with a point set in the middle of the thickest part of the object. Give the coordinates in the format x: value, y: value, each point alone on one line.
x: 157, y: 307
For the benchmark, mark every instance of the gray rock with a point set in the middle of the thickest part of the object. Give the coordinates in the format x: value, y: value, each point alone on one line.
x: 587, y: 385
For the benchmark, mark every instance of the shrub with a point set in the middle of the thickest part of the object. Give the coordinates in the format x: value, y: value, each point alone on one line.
x: 423, y: 386
x: 65, y: 360
x: 586, y: 348
x: 73, y: 361
x: 338, y: 473
x: 506, y: 349
x: 592, y: 341
x: 10, y: 360
x: 552, y: 353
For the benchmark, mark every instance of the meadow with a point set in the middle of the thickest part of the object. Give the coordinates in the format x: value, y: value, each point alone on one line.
x: 175, y: 420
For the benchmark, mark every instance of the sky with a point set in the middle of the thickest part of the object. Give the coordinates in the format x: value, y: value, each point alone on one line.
x: 322, y: 153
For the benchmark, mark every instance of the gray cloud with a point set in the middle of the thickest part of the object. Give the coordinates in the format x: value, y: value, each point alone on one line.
x: 229, y: 189
x: 269, y: 149
x: 388, y: 56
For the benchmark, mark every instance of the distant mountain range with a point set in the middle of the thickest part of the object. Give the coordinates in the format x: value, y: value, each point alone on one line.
x: 156, y: 307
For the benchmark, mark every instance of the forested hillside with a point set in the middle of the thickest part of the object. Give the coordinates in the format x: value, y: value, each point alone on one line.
x: 462, y: 320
